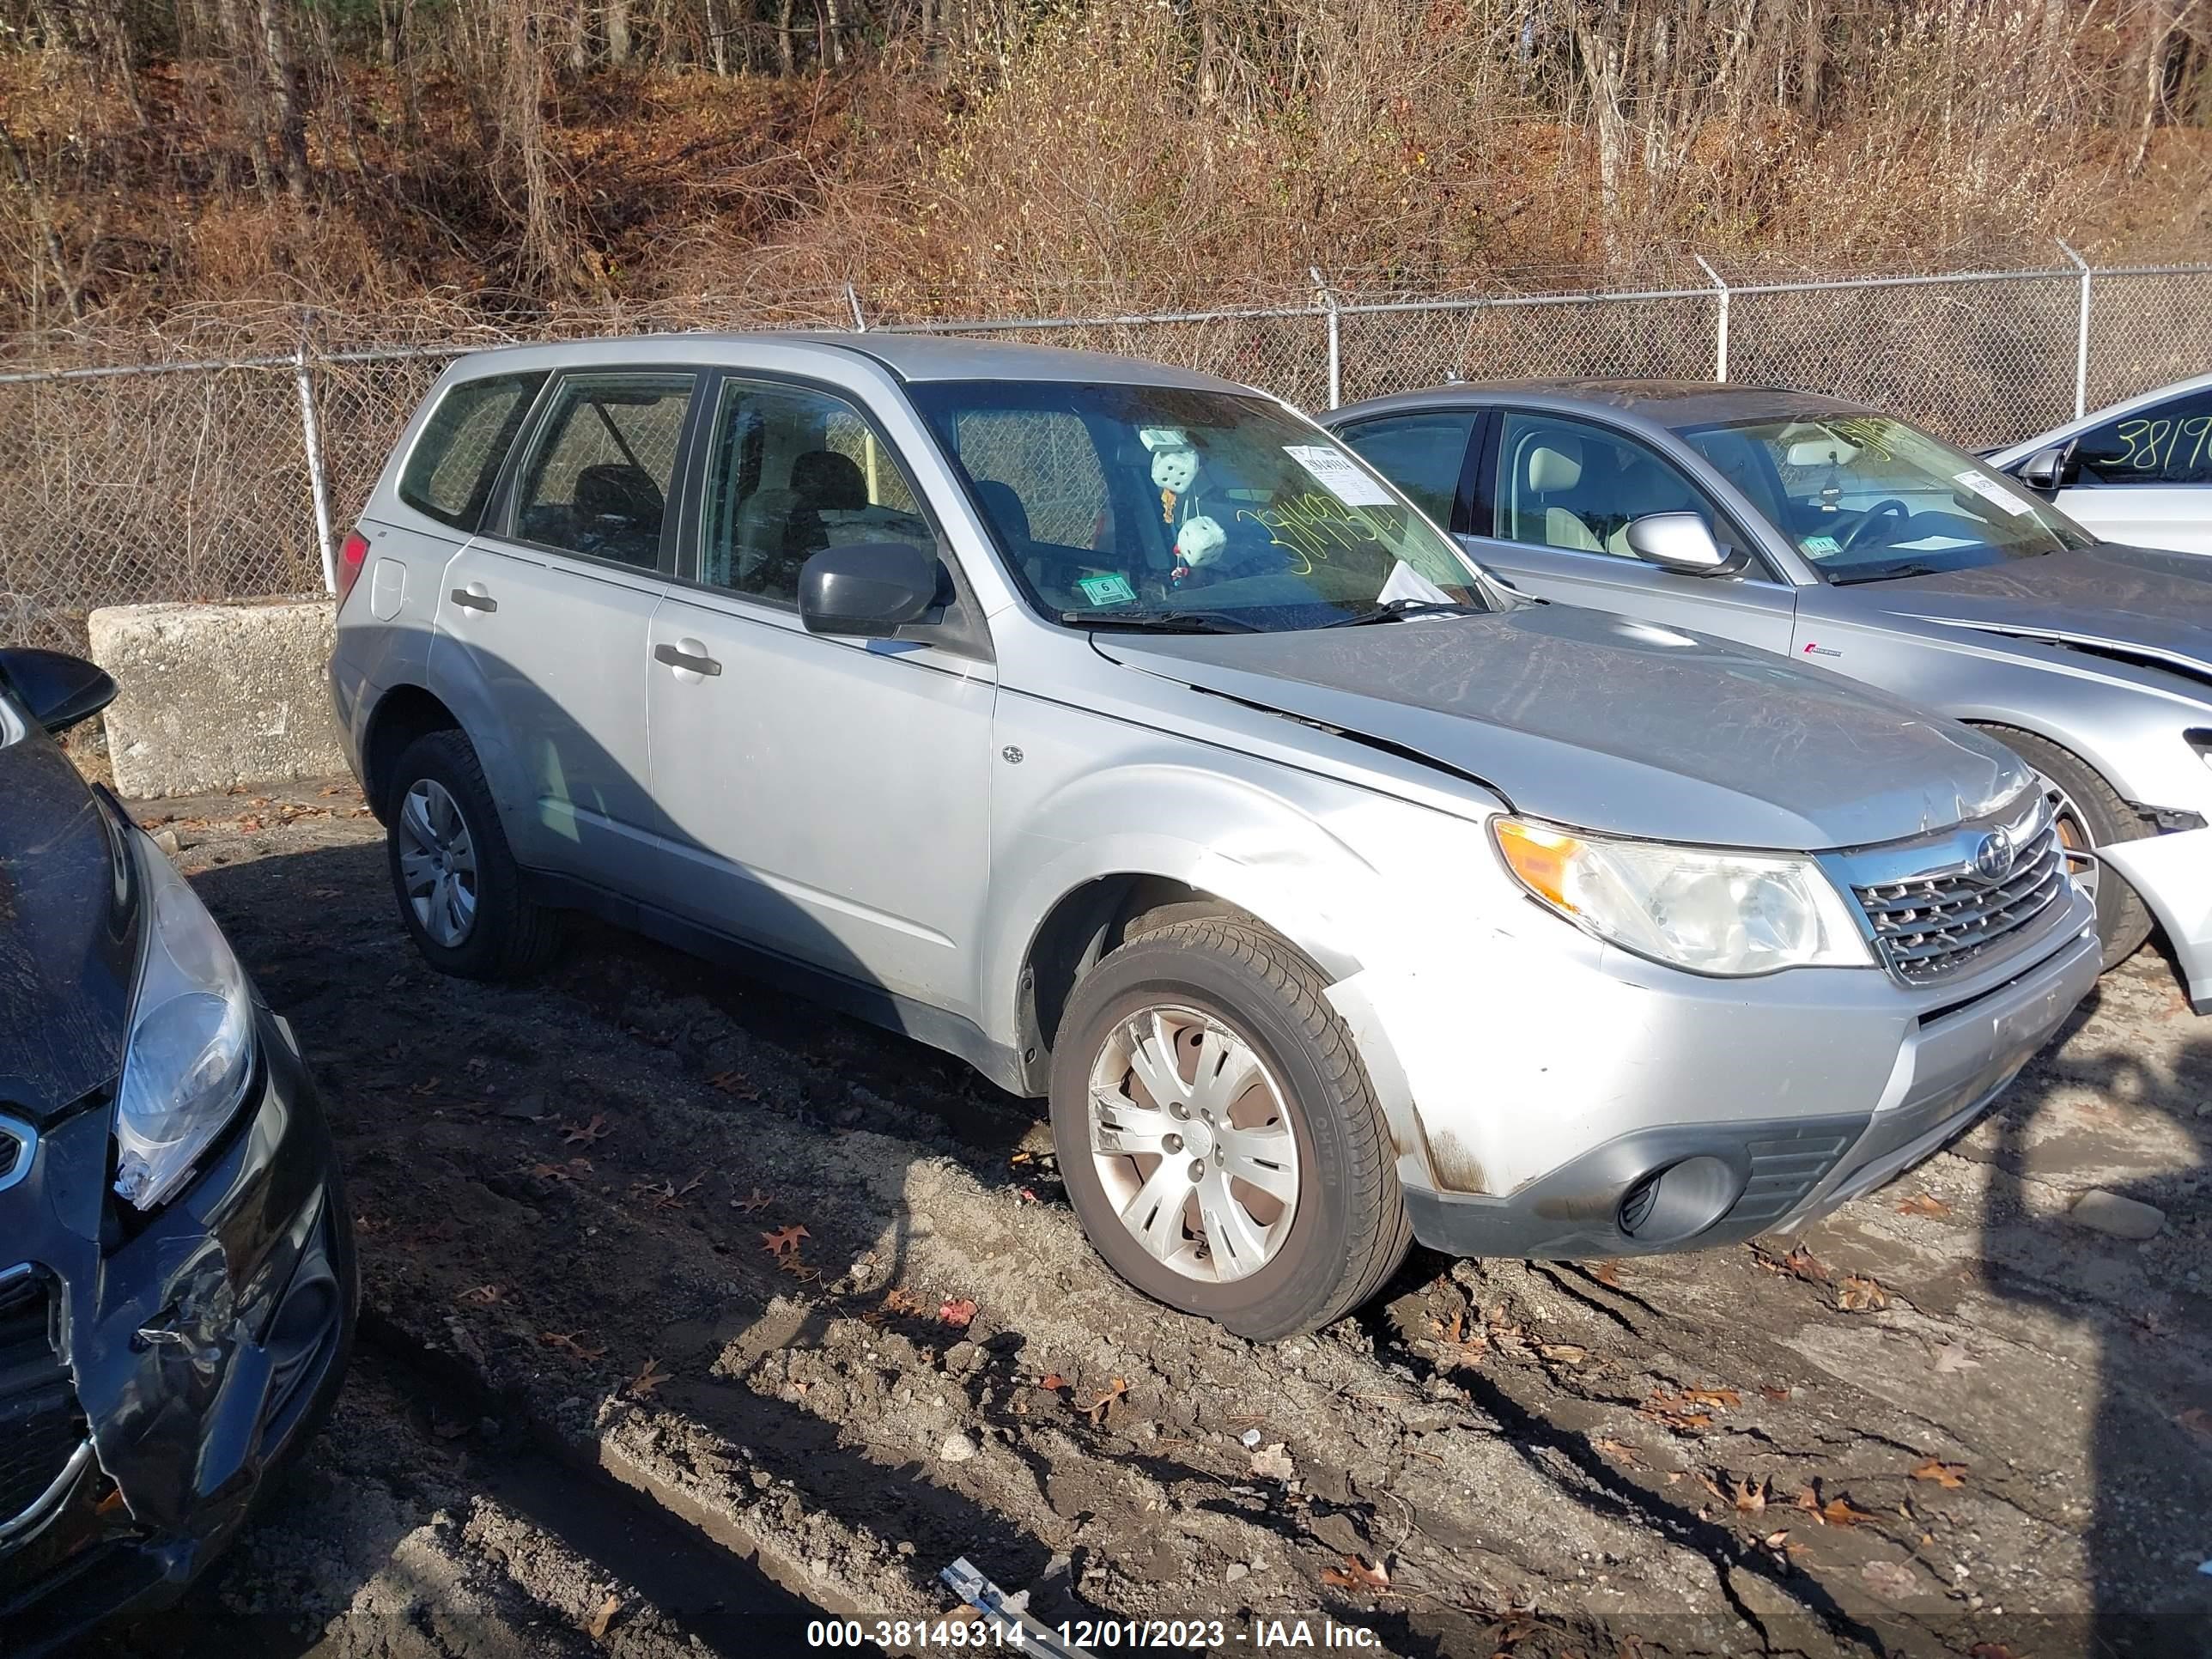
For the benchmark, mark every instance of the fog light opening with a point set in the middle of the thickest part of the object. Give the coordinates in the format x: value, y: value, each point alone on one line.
x: 1677, y: 1202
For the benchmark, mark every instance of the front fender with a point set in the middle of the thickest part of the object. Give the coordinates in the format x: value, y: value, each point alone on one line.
x: 1346, y: 874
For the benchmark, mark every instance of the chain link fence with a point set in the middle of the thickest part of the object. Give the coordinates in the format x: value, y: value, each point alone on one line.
x: 199, y: 479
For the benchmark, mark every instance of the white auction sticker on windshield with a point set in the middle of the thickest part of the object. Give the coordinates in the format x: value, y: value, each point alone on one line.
x: 1334, y: 471
x: 1993, y: 492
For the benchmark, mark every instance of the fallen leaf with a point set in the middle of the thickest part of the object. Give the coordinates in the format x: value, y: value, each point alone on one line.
x: 733, y: 1083
x: 1673, y: 1410
x: 959, y: 1314
x: 900, y: 1300
x: 1273, y: 1462
x: 1097, y: 1409
x: 1567, y: 1353
x: 2196, y: 1418
x: 1608, y: 1274
x: 571, y: 1342
x: 1924, y: 1204
x: 1952, y: 1358
x: 1356, y: 1574
x: 1052, y: 1381
x: 1621, y: 1452
x: 583, y: 1134
x: 759, y: 1200
x: 1859, y: 1294
x: 1750, y: 1498
x: 1892, y: 1581
x: 427, y: 1085
x: 1774, y: 1391
x: 1949, y: 1476
x: 1728, y: 1397
x: 784, y: 1241
x: 596, y: 1629
x: 1835, y: 1512
x: 649, y: 1378
x: 1800, y: 1263
x: 484, y: 1293
x: 798, y: 1269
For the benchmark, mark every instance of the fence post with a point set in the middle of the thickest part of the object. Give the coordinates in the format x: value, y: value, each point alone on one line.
x: 319, y: 484
x: 852, y: 299
x: 2082, y: 335
x: 1721, y: 331
x: 1335, y: 337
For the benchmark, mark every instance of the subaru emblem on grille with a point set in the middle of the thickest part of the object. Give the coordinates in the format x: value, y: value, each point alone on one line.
x: 1993, y: 858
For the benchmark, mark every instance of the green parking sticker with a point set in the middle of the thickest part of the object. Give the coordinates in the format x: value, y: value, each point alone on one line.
x: 1107, y: 590
x: 1822, y: 544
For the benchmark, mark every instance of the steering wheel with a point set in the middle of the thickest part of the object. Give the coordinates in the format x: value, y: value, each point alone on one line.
x: 1891, y: 507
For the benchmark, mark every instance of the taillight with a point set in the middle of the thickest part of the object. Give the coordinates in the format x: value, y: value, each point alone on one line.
x: 351, y: 557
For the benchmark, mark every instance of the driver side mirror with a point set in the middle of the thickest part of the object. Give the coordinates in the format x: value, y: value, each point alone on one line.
x: 1679, y: 542
x: 869, y: 590
x: 56, y: 689
x: 2050, y: 470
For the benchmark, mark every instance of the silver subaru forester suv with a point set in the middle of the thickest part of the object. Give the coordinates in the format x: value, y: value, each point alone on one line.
x: 1114, y: 728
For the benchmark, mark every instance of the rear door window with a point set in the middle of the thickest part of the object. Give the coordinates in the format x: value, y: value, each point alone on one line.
x: 449, y: 475
x: 600, y: 471
x: 2168, y: 443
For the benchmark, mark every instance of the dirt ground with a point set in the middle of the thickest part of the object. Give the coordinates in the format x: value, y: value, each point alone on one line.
x: 812, y: 1294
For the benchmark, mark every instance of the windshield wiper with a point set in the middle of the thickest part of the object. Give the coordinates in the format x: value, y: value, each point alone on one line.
x: 1885, y: 573
x: 1165, y: 621
x: 1392, y: 609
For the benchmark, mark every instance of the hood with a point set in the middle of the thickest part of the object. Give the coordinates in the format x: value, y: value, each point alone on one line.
x: 2136, y: 602
x: 1603, y: 723
x: 68, y: 930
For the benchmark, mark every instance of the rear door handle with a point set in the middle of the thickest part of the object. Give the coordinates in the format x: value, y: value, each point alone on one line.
x: 677, y: 657
x: 473, y: 601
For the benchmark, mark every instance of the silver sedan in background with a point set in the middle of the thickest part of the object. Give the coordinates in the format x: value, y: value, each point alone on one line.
x: 1850, y: 540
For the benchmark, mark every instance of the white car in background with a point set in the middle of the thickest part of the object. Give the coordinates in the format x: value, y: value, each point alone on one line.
x: 2139, y: 472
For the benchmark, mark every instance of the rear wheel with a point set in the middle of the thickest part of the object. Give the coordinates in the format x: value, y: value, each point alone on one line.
x: 2091, y: 814
x: 1221, y: 1142
x: 458, y: 885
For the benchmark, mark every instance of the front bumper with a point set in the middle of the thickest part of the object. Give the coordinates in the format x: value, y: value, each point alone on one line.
x: 202, y: 1350
x: 2173, y: 874
x: 1615, y: 1109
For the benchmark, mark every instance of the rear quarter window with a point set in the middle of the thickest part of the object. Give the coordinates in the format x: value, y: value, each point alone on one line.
x: 450, y: 473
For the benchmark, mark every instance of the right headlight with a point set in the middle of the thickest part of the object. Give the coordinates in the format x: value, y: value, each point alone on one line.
x: 1709, y: 910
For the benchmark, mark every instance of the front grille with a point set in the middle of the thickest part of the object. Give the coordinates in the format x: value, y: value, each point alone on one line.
x: 41, y: 1426
x: 1928, y: 927
x: 11, y: 1152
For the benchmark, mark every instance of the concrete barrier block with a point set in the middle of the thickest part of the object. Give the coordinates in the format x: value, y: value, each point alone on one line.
x: 210, y: 696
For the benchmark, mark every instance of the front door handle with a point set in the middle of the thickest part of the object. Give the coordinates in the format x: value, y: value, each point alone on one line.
x: 675, y: 657
x: 469, y: 600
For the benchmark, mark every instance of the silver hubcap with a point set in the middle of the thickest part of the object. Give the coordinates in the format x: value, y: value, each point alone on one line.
x: 437, y: 862
x: 1192, y: 1141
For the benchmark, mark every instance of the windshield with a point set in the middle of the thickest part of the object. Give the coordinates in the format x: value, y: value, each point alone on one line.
x: 1865, y: 497
x: 1161, y: 506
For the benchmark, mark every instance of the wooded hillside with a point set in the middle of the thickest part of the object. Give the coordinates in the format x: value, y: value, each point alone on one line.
x: 434, y: 158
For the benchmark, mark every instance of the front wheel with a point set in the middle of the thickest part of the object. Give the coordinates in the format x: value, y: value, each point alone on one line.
x: 1221, y: 1142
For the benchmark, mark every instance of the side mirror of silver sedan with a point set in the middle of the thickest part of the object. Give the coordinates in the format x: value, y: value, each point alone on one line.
x: 1681, y: 542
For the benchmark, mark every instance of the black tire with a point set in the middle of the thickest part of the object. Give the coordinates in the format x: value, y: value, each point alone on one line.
x: 511, y: 937
x: 2123, y: 922
x: 1349, y: 1229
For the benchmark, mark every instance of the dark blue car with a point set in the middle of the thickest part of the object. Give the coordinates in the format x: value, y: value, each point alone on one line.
x: 177, y: 1281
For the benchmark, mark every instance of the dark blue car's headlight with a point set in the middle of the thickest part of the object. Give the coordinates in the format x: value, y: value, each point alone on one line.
x: 190, y: 1052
